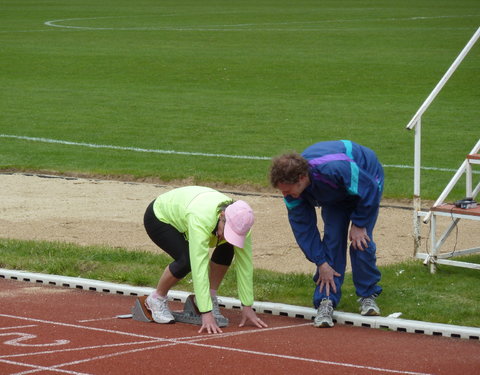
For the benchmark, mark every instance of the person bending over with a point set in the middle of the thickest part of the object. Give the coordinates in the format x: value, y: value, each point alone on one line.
x: 346, y: 180
x: 186, y: 222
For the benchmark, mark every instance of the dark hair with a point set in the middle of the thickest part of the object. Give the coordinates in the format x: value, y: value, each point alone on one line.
x: 223, y: 206
x: 287, y: 169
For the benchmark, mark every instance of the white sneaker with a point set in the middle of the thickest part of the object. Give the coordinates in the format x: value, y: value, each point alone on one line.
x: 222, y: 321
x: 159, y: 308
x: 216, y: 309
x: 368, y: 306
x: 324, y: 318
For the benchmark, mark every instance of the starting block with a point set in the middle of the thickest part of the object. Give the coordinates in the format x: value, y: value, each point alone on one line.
x: 190, y: 313
x: 140, y: 311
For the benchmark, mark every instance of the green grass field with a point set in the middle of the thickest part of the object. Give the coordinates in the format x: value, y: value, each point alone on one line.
x: 252, y: 78
x: 208, y: 91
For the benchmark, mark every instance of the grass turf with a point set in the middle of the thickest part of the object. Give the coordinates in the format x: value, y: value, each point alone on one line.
x: 249, y: 78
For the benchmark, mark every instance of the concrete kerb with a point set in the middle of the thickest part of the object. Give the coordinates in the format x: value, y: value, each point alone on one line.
x: 379, y: 322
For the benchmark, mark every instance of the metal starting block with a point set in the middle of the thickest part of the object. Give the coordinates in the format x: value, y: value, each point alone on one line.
x: 190, y: 313
x: 140, y: 312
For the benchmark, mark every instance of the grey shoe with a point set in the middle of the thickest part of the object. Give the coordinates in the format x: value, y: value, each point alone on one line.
x: 324, y: 318
x: 368, y: 306
x: 216, y: 312
x: 159, y: 308
x: 216, y: 308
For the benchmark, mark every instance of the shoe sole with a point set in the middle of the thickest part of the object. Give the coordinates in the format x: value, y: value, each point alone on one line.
x: 170, y: 321
x: 323, y: 325
x: 371, y: 312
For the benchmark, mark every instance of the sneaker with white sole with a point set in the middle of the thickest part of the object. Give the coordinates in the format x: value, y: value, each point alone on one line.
x: 216, y: 312
x: 159, y: 308
x: 216, y: 308
x: 368, y: 306
x: 324, y: 318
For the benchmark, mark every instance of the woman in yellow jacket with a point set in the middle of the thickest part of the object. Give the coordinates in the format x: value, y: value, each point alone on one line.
x: 186, y: 222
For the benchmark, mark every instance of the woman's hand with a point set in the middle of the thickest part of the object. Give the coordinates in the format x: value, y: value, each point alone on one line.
x: 249, y: 314
x: 209, y: 324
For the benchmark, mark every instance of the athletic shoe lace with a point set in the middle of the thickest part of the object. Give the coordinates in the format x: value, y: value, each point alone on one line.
x: 368, y: 305
x: 159, y: 305
x: 325, y: 309
x: 368, y: 302
x: 216, y: 308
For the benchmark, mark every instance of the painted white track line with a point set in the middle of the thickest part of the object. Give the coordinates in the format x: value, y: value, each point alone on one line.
x: 390, y: 323
x: 158, y: 343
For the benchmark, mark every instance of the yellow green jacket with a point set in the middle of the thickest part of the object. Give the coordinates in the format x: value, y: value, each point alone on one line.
x: 194, y: 211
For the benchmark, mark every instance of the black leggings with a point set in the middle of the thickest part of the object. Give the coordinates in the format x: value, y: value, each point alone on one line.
x: 174, y: 243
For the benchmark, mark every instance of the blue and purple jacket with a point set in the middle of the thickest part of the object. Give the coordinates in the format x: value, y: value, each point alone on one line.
x: 343, y: 174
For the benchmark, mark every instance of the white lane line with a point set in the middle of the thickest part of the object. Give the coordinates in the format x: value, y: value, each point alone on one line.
x: 302, y: 359
x: 83, y: 327
x: 97, y: 319
x: 195, y: 341
x: 100, y: 357
x: 78, y: 349
x: 37, y: 368
x: 16, y: 327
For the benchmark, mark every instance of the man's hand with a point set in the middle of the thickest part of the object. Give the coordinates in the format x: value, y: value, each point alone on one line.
x: 249, y: 314
x: 359, y: 238
x: 326, y: 280
x: 209, y: 324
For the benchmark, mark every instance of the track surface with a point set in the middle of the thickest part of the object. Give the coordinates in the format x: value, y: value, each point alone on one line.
x: 52, y: 330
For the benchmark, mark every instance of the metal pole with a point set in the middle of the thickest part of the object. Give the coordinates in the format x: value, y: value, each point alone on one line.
x: 444, y: 79
x: 415, y: 122
x: 417, y: 202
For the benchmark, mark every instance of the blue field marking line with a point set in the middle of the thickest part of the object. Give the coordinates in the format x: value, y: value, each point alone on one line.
x: 174, y: 152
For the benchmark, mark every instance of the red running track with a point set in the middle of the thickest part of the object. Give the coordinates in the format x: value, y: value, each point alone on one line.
x: 50, y: 330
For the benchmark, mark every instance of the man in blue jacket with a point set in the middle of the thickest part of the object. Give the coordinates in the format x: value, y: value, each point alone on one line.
x: 345, y: 179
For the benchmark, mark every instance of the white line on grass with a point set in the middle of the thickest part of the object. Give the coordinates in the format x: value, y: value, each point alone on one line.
x: 135, y: 149
x: 173, y: 152
x: 239, y: 27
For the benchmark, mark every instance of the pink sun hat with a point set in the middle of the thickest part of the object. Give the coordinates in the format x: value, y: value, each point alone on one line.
x: 238, y: 221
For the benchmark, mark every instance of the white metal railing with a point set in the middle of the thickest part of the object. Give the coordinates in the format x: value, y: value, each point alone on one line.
x: 466, y: 168
x: 434, y: 256
x: 415, y: 123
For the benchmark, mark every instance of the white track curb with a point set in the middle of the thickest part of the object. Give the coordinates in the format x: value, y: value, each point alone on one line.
x: 394, y: 324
